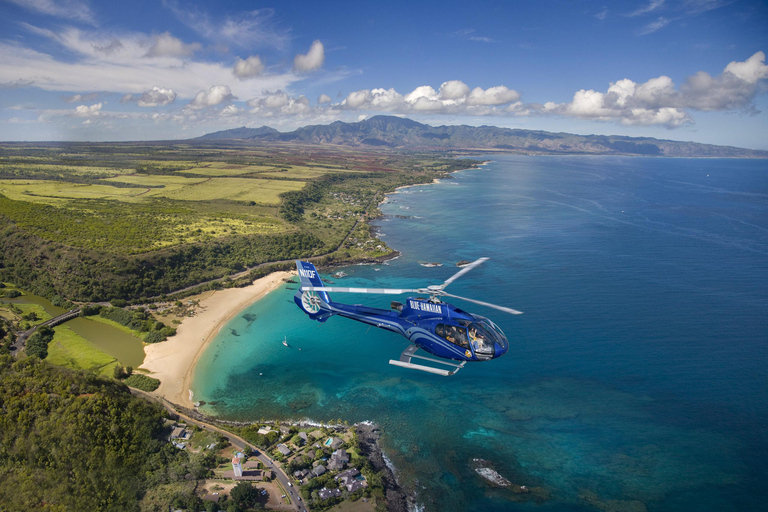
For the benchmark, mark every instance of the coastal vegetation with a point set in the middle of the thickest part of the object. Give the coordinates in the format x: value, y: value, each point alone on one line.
x: 77, y: 441
x: 96, y: 222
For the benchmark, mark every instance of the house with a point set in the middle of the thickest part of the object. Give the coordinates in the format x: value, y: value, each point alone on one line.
x: 284, y: 430
x: 237, y: 467
x: 317, y: 434
x: 283, y: 449
x: 180, y: 433
x: 347, y: 476
x: 336, y: 442
x: 339, y: 459
x: 301, y: 473
x: 356, y: 485
x: 303, y: 437
x: 328, y: 493
x: 318, y: 470
x: 265, y: 430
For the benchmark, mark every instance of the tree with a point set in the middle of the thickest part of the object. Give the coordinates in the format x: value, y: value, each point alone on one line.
x: 244, y: 495
x: 37, y: 345
x: 119, y: 373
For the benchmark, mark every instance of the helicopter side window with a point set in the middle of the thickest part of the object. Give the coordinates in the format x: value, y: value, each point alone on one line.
x: 454, y: 334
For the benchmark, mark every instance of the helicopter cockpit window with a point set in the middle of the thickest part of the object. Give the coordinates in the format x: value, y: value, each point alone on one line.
x: 455, y: 334
x: 482, y: 339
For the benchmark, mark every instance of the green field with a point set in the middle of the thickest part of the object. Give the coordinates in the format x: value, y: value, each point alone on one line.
x: 73, y: 351
x: 90, y: 221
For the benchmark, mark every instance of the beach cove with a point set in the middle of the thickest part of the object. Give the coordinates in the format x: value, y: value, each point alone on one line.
x: 173, y: 361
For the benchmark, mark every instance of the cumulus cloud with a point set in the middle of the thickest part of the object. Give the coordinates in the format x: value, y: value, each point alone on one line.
x: 324, y: 98
x: 86, y: 111
x: 156, y: 97
x: 657, y: 101
x: 248, y: 68
x: 165, y: 45
x: 279, y: 102
x: 453, y: 96
x: 216, y: 95
x: 498, y: 95
x: 313, y: 59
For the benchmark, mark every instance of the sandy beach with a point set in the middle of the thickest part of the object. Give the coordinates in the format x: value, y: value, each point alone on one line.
x: 173, y: 361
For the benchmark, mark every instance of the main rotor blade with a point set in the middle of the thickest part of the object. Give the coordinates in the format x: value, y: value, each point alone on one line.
x: 464, y: 271
x: 388, y: 291
x: 494, y: 306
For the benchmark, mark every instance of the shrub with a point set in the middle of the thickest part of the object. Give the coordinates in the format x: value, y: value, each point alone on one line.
x: 142, y: 382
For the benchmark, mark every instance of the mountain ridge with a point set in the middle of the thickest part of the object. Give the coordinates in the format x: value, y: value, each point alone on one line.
x: 403, y: 133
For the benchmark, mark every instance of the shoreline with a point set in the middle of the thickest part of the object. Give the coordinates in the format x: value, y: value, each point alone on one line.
x: 173, y: 361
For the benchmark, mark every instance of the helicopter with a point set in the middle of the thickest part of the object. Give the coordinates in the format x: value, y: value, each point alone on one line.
x: 436, y: 327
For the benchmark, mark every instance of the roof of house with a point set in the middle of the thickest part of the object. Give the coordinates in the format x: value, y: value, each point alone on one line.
x: 283, y: 449
x: 328, y: 493
x: 318, y: 470
x: 355, y: 485
x: 303, y: 435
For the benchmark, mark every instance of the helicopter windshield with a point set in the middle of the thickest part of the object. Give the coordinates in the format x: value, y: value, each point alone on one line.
x: 484, y: 335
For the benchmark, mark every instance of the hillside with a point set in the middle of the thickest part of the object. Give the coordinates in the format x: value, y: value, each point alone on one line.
x: 402, y: 133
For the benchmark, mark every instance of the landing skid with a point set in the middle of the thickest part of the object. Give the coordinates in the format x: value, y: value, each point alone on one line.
x: 408, y: 353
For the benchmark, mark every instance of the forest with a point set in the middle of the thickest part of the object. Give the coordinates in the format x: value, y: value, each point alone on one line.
x: 73, y: 441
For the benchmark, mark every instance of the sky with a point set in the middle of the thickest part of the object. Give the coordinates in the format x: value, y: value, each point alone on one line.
x: 80, y: 70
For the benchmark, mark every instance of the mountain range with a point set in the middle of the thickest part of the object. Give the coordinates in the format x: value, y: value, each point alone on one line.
x: 402, y: 133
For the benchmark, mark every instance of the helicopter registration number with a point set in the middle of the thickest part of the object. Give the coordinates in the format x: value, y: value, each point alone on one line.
x: 307, y: 273
x: 425, y: 306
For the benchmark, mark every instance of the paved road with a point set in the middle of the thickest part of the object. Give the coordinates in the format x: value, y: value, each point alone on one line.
x: 236, y: 441
x: 22, y: 337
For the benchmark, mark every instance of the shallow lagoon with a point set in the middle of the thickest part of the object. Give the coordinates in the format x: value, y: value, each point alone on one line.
x: 635, y: 379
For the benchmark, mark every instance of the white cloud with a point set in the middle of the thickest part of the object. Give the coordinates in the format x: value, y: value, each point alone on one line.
x: 70, y: 9
x: 658, y: 102
x: 751, y: 71
x: 215, y: 95
x: 454, y: 90
x: 156, y: 97
x: 324, y: 98
x: 248, y: 68
x: 280, y: 103
x: 85, y: 111
x: 124, y: 70
x: 498, y: 95
x: 652, y: 6
x: 243, y: 30
x: 168, y: 46
x: 80, y: 98
x: 653, y: 26
x: 312, y: 60
x: 454, y: 96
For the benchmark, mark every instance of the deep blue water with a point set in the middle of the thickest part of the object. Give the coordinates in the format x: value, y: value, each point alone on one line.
x: 637, y: 377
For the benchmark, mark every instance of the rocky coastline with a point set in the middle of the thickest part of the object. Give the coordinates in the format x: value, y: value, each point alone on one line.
x: 398, y: 500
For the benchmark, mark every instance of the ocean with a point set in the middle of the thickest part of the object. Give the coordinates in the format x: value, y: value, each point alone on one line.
x: 636, y: 379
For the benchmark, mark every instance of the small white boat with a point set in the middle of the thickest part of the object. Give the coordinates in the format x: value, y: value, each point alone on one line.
x: 285, y: 341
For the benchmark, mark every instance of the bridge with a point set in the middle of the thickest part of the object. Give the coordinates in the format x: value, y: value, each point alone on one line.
x: 21, y: 339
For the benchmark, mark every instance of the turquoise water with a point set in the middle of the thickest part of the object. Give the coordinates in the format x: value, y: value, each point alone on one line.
x: 635, y: 379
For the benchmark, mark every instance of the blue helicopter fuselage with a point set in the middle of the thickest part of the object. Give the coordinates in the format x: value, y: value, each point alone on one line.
x: 436, y: 327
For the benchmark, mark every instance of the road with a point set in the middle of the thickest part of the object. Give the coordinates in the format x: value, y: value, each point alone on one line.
x: 22, y: 337
x: 237, y: 442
